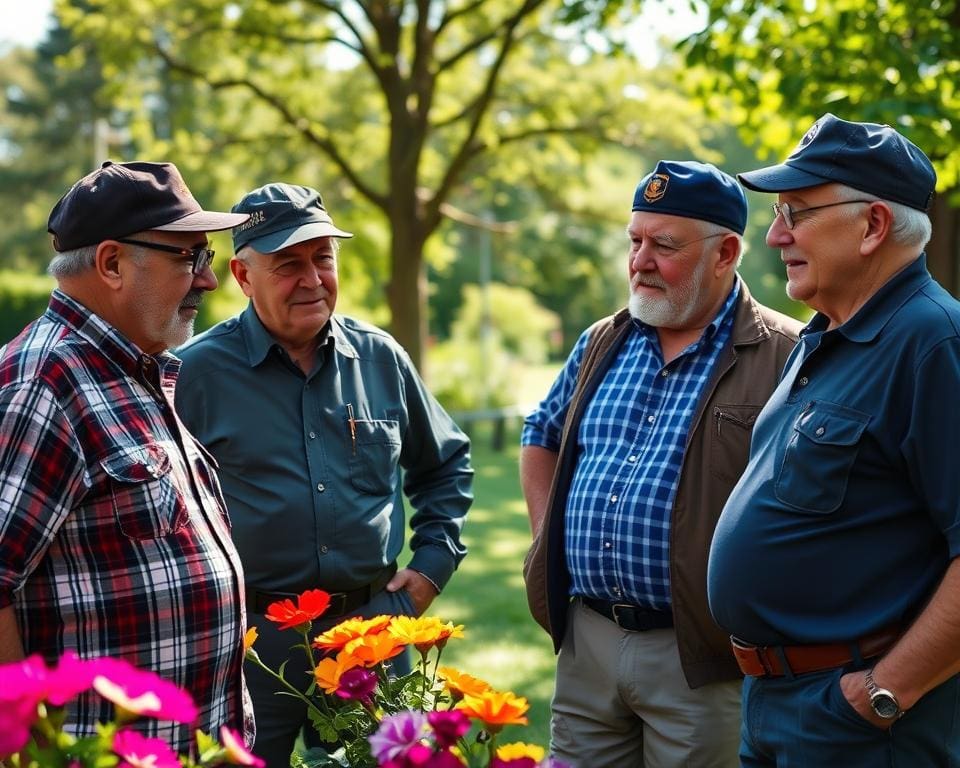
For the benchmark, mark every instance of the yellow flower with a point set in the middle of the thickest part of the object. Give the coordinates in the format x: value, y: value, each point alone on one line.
x: 460, y: 684
x: 420, y: 631
x: 372, y: 649
x: 495, y: 709
x: 518, y: 750
x: 249, y: 638
x: 335, y: 638
x: 330, y: 669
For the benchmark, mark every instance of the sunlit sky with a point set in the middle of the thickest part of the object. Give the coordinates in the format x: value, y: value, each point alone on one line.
x: 23, y: 22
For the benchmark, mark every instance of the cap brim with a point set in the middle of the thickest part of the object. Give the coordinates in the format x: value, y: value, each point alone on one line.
x: 205, y: 221
x: 286, y: 237
x: 779, y: 178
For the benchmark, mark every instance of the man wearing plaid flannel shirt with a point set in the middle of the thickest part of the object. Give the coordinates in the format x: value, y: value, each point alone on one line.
x: 114, y: 537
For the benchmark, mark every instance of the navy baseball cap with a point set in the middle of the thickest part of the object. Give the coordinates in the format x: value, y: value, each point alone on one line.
x: 693, y: 190
x: 119, y: 199
x: 867, y: 156
x: 282, y: 215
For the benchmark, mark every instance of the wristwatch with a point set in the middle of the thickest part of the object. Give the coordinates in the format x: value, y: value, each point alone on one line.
x: 883, y: 702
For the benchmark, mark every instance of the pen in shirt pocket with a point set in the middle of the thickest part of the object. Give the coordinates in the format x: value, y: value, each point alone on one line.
x: 352, y: 424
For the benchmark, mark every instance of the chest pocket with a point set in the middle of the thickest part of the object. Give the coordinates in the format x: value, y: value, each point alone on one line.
x: 374, y: 456
x: 816, y: 465
x: 146, y: 503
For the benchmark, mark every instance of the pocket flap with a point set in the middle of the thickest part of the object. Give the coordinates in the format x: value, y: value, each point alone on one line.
x: 832, y: 427
x: 137, y: 464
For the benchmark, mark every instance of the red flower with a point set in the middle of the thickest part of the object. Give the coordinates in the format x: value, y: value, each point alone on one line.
x: 310, y: 605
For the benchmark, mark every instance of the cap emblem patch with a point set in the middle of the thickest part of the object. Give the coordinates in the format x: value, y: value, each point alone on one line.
x: 656, y: 188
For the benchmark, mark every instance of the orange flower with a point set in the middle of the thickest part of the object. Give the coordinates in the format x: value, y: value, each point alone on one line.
x: 249, y: 638
x: 337, y: 637
x: 310, y: 605
x: 330, y: 670
x: 495, y: 709
x: 460, y: 684
x: 519, y: 751
x: 372, y: 649
x: 447, y: 631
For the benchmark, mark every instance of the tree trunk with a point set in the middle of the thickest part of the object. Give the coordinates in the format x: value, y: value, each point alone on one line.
x: 407, y: 291
x: 943, y: 251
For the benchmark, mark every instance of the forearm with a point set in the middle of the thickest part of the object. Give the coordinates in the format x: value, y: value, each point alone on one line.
x: 11, y: 647
x: 537, y: 467
x: 929, y: 652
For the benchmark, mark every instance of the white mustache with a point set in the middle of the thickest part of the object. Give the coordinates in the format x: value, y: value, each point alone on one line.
x: 650, y: 281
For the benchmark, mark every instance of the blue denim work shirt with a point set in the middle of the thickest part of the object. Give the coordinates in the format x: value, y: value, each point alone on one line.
x: 848, y: 512
x: 310, y: 464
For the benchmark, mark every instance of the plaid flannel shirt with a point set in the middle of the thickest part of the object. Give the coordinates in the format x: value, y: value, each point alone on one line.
x: 114, y: 538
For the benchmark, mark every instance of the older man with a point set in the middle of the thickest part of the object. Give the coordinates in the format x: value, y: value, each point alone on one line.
x: 311, y: 416
x: 834, y: 561
x: 114, y: 538
x: 625, y: 468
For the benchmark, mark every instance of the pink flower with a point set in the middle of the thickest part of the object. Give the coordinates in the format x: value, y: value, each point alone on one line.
x: 142, y: 692
x: 73, y: 675
x: 237, y: 753
x: 448, y: 726
x: 136, y: 751
x: 358, y: 684
x: 23, y: 686
x: 398, y: 734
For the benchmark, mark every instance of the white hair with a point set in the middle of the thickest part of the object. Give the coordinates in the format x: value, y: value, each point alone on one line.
x: 911, y: 227
x: 72, y: 263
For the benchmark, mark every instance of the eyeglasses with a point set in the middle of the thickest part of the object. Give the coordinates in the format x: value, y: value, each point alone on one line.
x: 200, y: 258
x: 789, y: 213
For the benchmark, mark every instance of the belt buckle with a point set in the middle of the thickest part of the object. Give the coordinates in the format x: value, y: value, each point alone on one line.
x: 616, y: 615
x: 337, y: 605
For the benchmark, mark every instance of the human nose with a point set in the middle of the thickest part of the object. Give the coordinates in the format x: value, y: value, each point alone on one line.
x: 206, y: 279
x: 778, y: 235
x: 310, y: 277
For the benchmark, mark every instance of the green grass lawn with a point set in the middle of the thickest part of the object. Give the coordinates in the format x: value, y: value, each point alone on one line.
x: 502, y: 644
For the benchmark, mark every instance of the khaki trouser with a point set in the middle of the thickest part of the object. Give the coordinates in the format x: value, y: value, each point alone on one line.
x: 622, y: 701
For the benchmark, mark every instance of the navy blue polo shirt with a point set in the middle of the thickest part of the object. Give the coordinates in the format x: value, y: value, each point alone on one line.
x: 848, y: 512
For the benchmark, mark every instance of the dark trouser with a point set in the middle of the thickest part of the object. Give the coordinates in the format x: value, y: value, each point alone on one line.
x: 806, y: 722
x: 279, y: 717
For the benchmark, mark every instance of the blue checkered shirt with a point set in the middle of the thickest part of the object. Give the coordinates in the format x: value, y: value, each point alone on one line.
x: 630, y: 445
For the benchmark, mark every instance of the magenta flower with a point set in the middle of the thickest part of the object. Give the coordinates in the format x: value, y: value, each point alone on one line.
x: 448, y: 726
x: 73, y: 675
x: 357, y: 684
x: 397, y: 734
x: 136, y: 751
x: 23, y: 685
x: 237, y: 753
x: 142, y: 692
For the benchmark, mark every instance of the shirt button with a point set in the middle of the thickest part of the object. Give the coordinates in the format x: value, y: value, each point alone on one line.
x: 323, y: 549
x: 651, y: 419
x: 803, y: 381
x: 632, y: 459
x: 664, y: 373
x: 607, y: 545
x: 321, y: 487
x: 613, y: 497
x: 313, y: 435
x: 616, y: 591
x: 820, y: 431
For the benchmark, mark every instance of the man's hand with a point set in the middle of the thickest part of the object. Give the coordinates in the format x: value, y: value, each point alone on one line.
x: 419, y: 587
x: 854, y: 688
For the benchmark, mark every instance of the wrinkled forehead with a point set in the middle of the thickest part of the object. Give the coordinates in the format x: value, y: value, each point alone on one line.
x: 664, y: 225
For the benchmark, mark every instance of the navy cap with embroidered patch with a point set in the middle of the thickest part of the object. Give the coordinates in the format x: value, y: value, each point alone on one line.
x: 120, y: 199
x: 695, y: 191
x: 282, y: 215
x: 870, y: 157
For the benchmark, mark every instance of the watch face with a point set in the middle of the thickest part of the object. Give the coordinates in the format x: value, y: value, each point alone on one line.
x: 885, y: 705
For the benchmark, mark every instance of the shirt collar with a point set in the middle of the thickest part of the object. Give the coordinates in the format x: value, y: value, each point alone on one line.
x: 112, y: 343
x: 260, y: 342
x: 871, y: 318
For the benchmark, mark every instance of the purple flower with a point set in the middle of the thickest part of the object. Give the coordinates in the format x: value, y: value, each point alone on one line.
x: 448, y: 726
x: 357, y: 683
x: 397, y: 734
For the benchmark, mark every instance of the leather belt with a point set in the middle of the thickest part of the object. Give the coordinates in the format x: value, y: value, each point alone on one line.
x: 781, y: 660
x: 341, y: 603
x: 630, y: 617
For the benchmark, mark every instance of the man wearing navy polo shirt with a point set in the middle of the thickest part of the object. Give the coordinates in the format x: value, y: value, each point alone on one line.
x: 833, y: 563
x: 625, y: 468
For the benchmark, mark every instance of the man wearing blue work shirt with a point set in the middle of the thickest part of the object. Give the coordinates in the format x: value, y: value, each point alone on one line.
x: 833, y: 564
x: 625, y: 467
x: 311, y: 416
